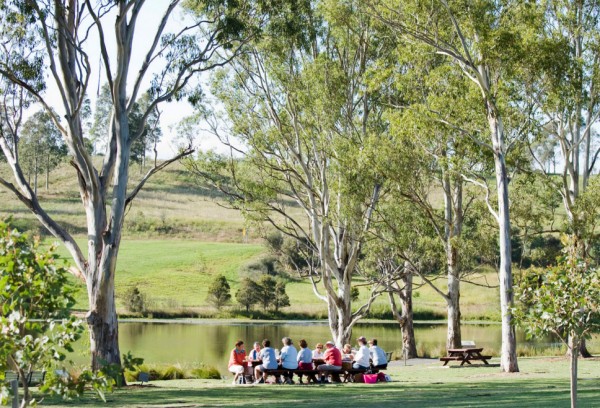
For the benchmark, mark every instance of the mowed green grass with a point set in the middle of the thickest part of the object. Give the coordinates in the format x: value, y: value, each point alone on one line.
x: 175, y: 274
x: 541, y: 382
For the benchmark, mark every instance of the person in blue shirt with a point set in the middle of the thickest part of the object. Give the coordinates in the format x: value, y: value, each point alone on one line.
x: 288, y: 357
x: 269, y: 362
x: 304, y: 360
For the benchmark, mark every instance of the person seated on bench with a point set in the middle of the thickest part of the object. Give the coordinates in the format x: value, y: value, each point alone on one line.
x: 317, y: 353
x: 362, y: 356
x: 377, y: 355
x: 288, y: 357
x: 269, y: 362
x: 252, y: 357
x: 347, y: 353
x: 304, y: 358
x: 237, y: 361
x: 333, y: 361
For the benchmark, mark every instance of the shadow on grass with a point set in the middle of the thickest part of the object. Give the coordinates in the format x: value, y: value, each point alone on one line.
x: 515, y: 392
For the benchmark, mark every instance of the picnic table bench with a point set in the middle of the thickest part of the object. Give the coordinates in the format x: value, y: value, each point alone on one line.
x: 32, y: 378
x: 465, y: 355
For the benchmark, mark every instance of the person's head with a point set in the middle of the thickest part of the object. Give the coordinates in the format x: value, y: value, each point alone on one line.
x: 347, y: 348
x: 330, y: 344
x: 266, y: 343
x: 239, y: 344
x: 373, y: 342
x: 256, y: 345
x: 303, y: 344
x: 362, y: 340
x: 286, y: 341
x: 319, y: 347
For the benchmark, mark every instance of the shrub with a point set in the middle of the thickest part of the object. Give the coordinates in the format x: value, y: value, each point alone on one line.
x: 219, y: 292
x: 36, y: 299
x: 135, y: 301
x: 172, y: 373
x: 206, y: 372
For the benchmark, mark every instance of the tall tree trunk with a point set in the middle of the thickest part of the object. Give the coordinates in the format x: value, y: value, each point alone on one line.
x: 103, y: 326
x: 574, y: 356
x: 454, y: 336
x: 508, y: 358
x: 35, y: 172
x: 404, y: 317
x: 340, y: 317
x: 409, y: 345
x: 453, y: 218
x: 47, y: 170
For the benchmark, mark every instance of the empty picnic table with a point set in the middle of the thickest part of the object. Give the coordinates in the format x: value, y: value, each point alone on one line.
x: 465, y: 355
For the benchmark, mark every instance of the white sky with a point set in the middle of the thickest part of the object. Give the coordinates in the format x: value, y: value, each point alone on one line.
x: 172, y: 112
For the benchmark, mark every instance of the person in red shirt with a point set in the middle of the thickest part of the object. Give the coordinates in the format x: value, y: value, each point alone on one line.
x: 333, y: 361
x: 237, y: 361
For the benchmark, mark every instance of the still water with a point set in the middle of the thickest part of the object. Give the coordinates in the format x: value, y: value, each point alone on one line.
x: 194, y: 342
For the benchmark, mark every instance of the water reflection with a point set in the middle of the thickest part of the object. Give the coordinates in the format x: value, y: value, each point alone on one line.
x: 210, y: 342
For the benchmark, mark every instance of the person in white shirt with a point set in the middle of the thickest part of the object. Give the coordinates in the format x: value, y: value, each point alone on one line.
x: 362, y: 356
x: 377, y: 355
x: 317, y: 353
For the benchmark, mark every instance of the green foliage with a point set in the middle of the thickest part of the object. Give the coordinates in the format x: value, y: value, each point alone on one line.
x: 135, y: 301
x: 269, y: 292
x: 281, y: 299
x: 36, y: 298
x: 172, y: 373
x: 219, y: 292
x: 247, y: 294
x: 202, y: 371
x: 354, y: 293
x: 206, y: 372
x: 563, y: 300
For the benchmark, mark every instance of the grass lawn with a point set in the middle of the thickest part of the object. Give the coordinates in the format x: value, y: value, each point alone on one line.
x: 174, y: 275
x: 541, y: 382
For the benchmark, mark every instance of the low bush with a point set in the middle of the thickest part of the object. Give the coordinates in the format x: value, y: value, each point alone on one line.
x: 173, y: 372
x: 206, y: 372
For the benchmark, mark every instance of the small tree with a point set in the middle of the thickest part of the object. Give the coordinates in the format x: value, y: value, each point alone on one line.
x: 247, y: 294
x: 281, y: 299
x: 135, y: 301
x: 563, y: 300
x: 219, y: 292
x: 36, y: 299
x: 266, y: 290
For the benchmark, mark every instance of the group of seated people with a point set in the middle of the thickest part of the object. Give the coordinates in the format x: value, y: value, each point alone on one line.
x: 332, y: 360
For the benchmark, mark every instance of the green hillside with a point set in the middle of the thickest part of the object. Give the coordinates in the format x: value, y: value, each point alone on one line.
x: 177, y: 238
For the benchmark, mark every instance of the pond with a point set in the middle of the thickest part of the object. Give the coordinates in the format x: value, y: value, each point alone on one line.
x: 193, y: 342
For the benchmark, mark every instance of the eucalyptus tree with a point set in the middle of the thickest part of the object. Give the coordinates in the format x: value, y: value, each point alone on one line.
x: 53, y: 42
x: 433, y: 118
x: 146, y: 138
x: 562, y: 80
x: 298, y: 105
x: 42, y: 147
x: 484, y: 40
x: 567, y: 99
x: 401, y: 248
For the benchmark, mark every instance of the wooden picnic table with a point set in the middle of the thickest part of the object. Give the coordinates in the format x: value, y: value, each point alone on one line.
x: 465, y: 355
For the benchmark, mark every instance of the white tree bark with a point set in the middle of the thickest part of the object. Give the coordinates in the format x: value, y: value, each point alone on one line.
x: 64, y: 34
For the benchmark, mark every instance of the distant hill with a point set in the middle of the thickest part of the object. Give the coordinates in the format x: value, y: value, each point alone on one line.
x: 177, y: 237
x: 171, y: 204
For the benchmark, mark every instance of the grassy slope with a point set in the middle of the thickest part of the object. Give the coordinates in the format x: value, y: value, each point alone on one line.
x: 177, y: 238
x: 540, y: 382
